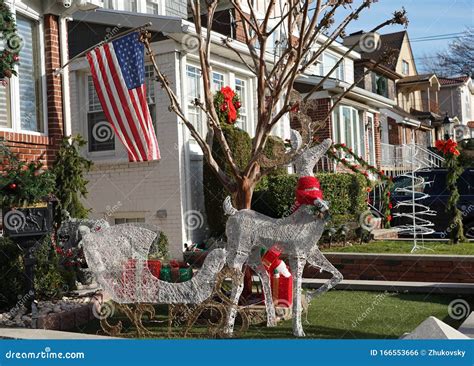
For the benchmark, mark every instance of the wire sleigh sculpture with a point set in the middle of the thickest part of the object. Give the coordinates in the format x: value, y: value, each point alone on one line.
x: 107, y: 250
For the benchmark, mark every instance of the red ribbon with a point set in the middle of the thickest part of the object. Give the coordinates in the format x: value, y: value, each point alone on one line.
x: 229, y: 95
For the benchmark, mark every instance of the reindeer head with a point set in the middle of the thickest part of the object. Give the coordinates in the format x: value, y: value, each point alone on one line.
x: 306, y: 162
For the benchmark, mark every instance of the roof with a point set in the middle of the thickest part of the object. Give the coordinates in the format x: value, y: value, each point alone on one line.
x: 416, y: 78
x: 454, y: 80
x: 390, y: 41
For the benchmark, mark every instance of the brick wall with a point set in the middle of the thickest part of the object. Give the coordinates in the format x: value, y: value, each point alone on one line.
x: 317, y: 109
x: 32, y: 147
x: 400, y: 267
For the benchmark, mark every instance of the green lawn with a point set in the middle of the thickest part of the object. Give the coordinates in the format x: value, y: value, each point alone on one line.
x: 405, y: 247
x: 355, y: 315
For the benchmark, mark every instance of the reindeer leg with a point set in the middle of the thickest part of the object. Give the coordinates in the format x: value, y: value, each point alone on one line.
x: 319, y: 260
x: 297, y: 266
x: 255, y: 263
x: 237, y: 263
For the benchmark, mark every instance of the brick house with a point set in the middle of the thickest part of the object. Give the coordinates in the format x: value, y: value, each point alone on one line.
x: 415, y: 117
x: 32, y: 118
x: 169, y: 192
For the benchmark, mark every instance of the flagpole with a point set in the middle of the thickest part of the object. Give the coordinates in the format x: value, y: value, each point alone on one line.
x: 59, y: 70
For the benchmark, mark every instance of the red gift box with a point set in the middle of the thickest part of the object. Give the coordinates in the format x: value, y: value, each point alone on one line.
x: 282, y: 291
x: 154, y: 265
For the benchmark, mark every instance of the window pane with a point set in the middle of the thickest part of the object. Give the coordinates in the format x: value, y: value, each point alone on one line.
x: 354, y: 132
x: 5, y: 119
x: 94, y: 102
x: 346, y: 115
x: 130, y: 5
x: 29, y: 76
x: 241, y: 90
x: 150, y: 83
x: 217, y: 81
x: 100, y: 133
x: 152, y: 7
x: 194, y: 88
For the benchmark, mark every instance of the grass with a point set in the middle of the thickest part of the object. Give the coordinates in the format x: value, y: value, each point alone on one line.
x: 400, y: 247
x: 354, y: 315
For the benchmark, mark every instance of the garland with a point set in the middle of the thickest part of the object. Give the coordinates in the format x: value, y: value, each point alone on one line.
x: 360, y: 166
x: 12, y: 43
x: 227, y: 105
x: 450, y: 152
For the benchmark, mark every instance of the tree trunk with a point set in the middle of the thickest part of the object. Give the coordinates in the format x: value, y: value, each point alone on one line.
x: 243, y: 198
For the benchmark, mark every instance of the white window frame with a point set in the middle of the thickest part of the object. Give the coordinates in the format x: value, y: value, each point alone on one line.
x: 245, y: 102
x: 371, y: 137
x: 356, y: 140
x: 14, y: 90
x: 141, y: 5
x: 339, y: 73
x: 407, y: 65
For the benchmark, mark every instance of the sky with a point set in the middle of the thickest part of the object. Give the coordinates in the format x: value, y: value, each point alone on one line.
x: 427, y: 18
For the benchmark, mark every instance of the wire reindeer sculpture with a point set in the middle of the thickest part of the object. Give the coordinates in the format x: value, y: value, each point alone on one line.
x: 297, y: 235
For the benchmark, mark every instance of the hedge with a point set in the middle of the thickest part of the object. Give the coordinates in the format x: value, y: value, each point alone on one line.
x: 345, y: 192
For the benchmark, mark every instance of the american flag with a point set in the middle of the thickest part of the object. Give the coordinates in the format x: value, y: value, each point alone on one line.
x: 118, y: 72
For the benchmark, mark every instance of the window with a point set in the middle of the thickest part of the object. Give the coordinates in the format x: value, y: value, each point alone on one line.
x: 328, y: 62
x: 130, y: 5
x: 405, y: 67
x: 152, y: 7
x: 380, y: 85
x: 110, y: 4
x: 119, y: 221
x: 100, y: 133
x: 29, y: 76
x: 349, y: 129
x: 241, y: 90
x: 217, y: 81
x: 5, y: 117
x: 194, y: 92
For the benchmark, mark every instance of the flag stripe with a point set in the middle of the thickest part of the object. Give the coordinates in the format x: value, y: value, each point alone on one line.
x: 118, y: 72
x: 105, y: 101
x: 135, y: 123
x: 109, y: 70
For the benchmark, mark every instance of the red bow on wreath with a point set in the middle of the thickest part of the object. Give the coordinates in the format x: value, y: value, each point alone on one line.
x: 229, y: 94
x: 447, y: 147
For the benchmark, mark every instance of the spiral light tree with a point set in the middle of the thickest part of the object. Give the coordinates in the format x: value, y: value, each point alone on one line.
x: 412, y: 209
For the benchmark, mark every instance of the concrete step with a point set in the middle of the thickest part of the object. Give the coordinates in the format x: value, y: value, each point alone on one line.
x: 395, y: 286
x: 467, y: 327
x: 379, y: 234
x: 23, y: 333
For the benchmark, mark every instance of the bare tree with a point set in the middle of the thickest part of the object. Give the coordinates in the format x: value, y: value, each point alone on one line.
x: 457, y: 60
x: 275, y: 76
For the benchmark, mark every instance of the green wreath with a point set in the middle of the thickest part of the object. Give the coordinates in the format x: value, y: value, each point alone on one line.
x: 12, y: 42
